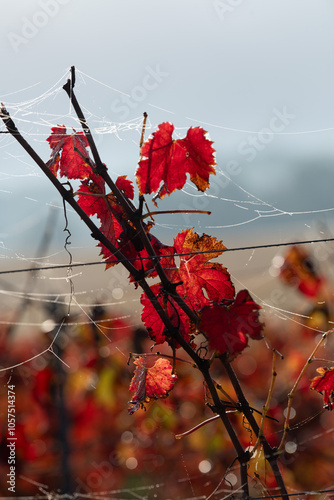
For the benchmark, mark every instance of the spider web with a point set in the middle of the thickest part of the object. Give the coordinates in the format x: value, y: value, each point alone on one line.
x: 243, y: 213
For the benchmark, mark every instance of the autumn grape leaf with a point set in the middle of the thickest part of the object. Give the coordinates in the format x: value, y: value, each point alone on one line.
x: 111, y: 227
x: 202, y: 281
x: 325, y: 384
x: 151, y: 383
x: 217, y: 325
x: 200, y: 157
x: 91, y: 196
x: 165, y: 162
x: 155, y: 326
x: 247, y: 312
x: 144, y: 263
x: 94, y: 201
x: 125, y: 186
x: 227, y: 327
x: 298, y: 270
x: 115, y: 223
x: 140, y: 258
x: 42, y: 390
x: 188, y: 241
x: 68, y: 155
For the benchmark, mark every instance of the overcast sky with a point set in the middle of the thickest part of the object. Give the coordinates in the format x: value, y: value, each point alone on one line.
x: 257, y: 74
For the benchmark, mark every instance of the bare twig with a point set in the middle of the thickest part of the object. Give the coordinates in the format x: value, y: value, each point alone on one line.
x: 271, y: 454
x: 267, y: 403
x: 133, y: 215
x: 141, y: 142
x: 294, y: 388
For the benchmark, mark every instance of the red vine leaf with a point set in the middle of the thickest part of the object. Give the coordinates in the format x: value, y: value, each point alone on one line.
x: 155, y: 326
x: 151, y: 383
x: 111, y: 226
x: 247, y: 312
x: 298, y: 270
x: 58, y: 134
x: 218, y: 326
x: 200, y: 157
x: 92, y: 202
x: 146, y: 264
x: 166, y: 161
x: 125, y: 186
x: 68, y: 153
x: 227, y: 327
x: 160, y: 379
x: 202, y: 281
x: 325, y: 384
x: 188, y: 241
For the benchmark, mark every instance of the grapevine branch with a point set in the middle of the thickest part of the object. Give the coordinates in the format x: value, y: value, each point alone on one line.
x: 267, y: 403
x: 291, y: 394
x: 271, y: 454
x: 66, y: 194
x: 134, y: 216
x: 203, y: 366
x: 135, y: 228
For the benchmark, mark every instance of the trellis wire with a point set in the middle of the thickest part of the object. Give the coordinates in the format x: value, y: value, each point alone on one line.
x: 131, y: 259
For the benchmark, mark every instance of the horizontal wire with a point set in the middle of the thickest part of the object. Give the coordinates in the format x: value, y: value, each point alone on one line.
x: 132, y: 259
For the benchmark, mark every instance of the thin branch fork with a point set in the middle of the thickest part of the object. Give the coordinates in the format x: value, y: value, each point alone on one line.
x: 294, y: 388
x: 67, y: 195
x: 100, y: 168
x: 134, y: 216
x: 271, y: 454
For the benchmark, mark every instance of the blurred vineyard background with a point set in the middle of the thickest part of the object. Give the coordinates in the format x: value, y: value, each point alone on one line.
x: 74, y: 433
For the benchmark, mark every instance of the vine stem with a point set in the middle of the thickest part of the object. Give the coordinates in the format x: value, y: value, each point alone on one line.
x: 141, y: 142
x: 100, y: 168
x: 271, y: 454
x: 66, y: 194
x: 198, y: 426
x: 159, y: 354
x: 134, y: 216
x: 219, y: 407
x: 265, y: 408
x: 294, y: 388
